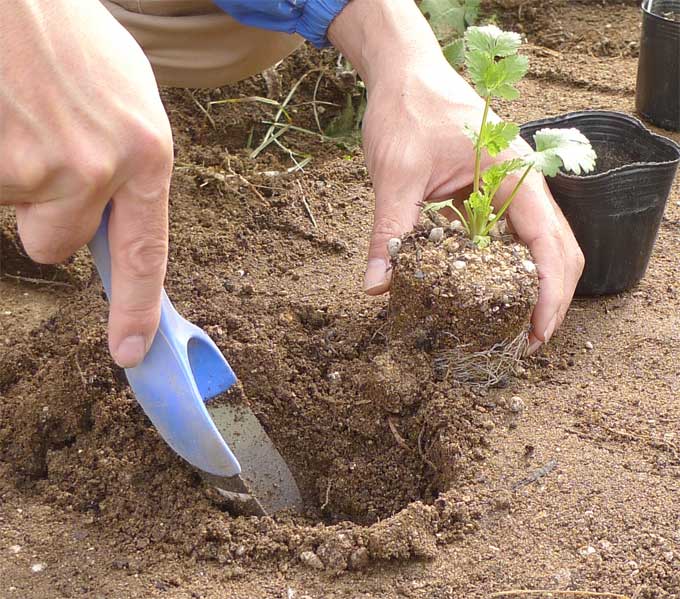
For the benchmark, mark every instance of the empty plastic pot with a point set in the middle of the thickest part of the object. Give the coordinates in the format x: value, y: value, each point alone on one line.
x: 615, y: 212
x: 658, y: 81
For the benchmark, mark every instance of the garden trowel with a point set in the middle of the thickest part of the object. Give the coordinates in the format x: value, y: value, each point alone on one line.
x: 190, y: 394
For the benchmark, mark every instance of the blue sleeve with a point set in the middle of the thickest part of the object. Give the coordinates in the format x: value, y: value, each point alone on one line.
x: 308, y: 18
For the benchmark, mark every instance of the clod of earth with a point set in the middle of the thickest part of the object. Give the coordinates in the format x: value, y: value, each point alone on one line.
x: 466, y: 308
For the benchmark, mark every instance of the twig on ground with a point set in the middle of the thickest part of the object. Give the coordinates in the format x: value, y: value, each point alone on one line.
x: 400, y: 440
x: 536, y: 475
x: 243, y: 180
x: 314, y: 102
x: 421, y: 451
x: 80, y: 370
x: 516, y: 592
x: 306, y: 205
x: 37, y: 281
x: 324, y: 505
x: 203, y: 109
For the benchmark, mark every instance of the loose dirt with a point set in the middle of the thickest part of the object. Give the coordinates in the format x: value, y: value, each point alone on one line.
x: 565, y: 478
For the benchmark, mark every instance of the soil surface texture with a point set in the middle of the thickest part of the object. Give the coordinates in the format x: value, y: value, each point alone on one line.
x: 564, y: 477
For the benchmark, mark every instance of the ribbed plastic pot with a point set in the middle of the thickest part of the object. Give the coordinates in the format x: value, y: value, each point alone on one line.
x: 658, y: 81
x: 616, y: 212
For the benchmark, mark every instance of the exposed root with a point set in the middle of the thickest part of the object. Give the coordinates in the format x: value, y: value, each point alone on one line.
x: 488, y: 368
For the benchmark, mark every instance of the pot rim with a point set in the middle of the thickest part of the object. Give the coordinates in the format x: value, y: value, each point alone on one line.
x: 547, y: 122
x: 647, y: 9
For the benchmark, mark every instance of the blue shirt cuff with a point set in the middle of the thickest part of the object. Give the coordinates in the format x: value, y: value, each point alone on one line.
x: 308, y: 18
x: 316, y: 18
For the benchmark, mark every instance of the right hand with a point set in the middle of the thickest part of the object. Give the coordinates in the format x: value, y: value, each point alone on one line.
x: 82, y: 124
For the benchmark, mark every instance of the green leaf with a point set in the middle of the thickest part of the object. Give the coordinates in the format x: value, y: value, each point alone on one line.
x: 496, y: 78
x: 437, y: 206
x: 471, y: 11
x: 562, y: 148
x: 455, y: 53
x: 493, y: 177
x: 446, y: 17
x: 497, y: 137
x: 492, y: 41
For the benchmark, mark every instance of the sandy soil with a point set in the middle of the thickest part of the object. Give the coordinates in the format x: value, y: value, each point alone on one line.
x: 445, y: 493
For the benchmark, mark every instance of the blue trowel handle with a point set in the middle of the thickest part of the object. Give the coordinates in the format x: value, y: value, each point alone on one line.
x: 182, y: 370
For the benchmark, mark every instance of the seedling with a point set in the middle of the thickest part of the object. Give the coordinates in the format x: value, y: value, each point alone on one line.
x: 495, y: 67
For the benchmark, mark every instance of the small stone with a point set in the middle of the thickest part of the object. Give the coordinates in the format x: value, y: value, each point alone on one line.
x: 499, y: 229
x: 529, y: 266
x: 393, y: 247
x: 311, y: 559
x: 587, y: 551
x: 668, y: 556
x: 436, y: 235
x: 456, y: 225
x: 334, y: 376
x: 240, y: 551
x: 359, y: 559
x: 39, y: 567
x: 632, y: 565
x: 605, y: 545
x: 488, y: 425
x: 14, y: 549
x: 451, y: 245
x: 516, y: 404
x: 589, y: 345
x: 562, y: 578
x: 459, y: 265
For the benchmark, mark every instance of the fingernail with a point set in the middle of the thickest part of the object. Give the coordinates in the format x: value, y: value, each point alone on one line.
x: 534, y: 346
x: 130, y: 352
x: 376, y: 275
x: 551, y: 329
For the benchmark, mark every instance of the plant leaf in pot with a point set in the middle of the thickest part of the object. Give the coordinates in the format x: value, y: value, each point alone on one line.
x: 615, y: 212
x: 463, y: 291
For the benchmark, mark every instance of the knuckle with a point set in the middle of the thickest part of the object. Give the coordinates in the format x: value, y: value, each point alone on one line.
x: 153, y: 144
x: 144, y: 258
x: 27, y: 176
x: 94, y: 176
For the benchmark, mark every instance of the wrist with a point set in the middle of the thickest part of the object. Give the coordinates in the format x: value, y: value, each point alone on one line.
x: 384, y: 39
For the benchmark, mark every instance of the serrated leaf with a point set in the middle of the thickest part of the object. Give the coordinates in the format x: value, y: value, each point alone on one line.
x: 493, y: 177
x: 455, y: 53
x: 563, y: 148
x: 497, y: 137
x: 496, y: 78
x: 492, y: 41
x: 471, y: 11
x: 446, y: 17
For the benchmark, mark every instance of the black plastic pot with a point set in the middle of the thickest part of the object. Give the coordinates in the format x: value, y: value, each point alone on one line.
x: 658, y: 82
x: 615, y: 212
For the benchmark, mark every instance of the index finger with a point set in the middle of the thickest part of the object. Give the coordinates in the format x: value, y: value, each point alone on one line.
x: 138, y: 237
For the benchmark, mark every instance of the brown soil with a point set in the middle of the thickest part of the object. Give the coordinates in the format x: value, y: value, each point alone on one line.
x: 448, y: 293
x: 414, y: 488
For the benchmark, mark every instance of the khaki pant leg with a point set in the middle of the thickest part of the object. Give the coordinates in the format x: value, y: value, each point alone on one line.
x: 192, y: 43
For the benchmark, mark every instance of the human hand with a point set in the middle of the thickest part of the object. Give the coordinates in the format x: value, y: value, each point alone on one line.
x: 82, y: 124
x: 417, y: 152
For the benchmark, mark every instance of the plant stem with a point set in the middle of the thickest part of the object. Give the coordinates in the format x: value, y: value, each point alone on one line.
x: 478, y: 156
x: 507, y: 203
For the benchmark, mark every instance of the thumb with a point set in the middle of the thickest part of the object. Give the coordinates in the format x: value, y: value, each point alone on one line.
x: 138, y: 237
x: 396, y: 212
